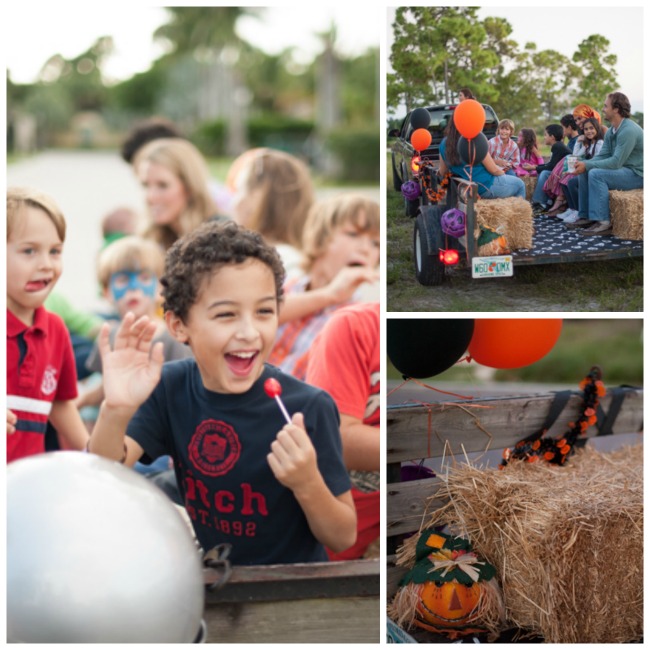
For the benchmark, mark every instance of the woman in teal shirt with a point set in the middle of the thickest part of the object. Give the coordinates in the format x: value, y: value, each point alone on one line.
x: 492, y: 181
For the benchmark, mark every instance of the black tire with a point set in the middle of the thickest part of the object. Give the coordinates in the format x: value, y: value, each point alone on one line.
x: 429, y: 270
x: 397, y: 181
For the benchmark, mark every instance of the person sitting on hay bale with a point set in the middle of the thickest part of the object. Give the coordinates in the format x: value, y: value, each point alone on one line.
x: 618, y: 166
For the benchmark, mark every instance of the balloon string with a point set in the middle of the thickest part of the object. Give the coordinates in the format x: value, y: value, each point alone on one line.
x: 397, y: 387
x: 444, y: 392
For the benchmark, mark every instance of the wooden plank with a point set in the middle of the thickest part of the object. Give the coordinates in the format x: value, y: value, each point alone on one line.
x: 507, y: 420
x: 338, y: 620
x: 393, y: 576
x: 296, y: 581
x: 406, y: 503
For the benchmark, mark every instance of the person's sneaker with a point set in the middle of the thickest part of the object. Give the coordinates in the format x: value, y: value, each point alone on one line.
x: 568, y: 212
x: 580, y: 223
x: 599, y: 228
x: 571, y: 216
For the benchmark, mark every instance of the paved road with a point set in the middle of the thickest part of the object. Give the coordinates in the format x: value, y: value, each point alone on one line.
x: 87, y: 185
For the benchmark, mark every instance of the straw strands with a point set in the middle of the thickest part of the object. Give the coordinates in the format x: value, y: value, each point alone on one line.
x: 626, y: 209
x: 512, y: 217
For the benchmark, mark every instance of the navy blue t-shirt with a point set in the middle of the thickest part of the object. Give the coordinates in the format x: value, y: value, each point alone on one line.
x: 219, y: 443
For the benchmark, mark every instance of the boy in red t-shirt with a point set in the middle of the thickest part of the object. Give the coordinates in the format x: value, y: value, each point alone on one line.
x: 344, y: 361
x: 41, y: 375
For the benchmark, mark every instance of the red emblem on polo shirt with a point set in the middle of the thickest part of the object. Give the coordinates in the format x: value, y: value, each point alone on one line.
x: 214, y: 448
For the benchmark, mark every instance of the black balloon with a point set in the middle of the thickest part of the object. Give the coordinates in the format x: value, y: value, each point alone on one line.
x: 473, y: 151
x: 420, y: 118
x: 424, y: 347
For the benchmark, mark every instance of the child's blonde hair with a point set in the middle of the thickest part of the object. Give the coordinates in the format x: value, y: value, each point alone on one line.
x: 130, y: 253
x: 286, y: 194
x: 509, y: 123
x: 184, y: 160
x: 19, y: 198
x: 325, y: 216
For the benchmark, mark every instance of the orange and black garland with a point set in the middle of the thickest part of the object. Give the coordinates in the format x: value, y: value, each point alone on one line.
x: 557, y: 450
x: 433, y: 195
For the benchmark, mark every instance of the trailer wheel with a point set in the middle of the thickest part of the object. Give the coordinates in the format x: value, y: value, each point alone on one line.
x: 427, y: 235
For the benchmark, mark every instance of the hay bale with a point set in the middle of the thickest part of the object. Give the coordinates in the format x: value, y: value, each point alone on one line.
x: 511, y: 217
x: 567, y: 541
x: 531, y: 183
x: 626, y: 209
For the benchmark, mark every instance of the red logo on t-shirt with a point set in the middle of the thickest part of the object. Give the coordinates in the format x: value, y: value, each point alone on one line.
x: 214, y: 448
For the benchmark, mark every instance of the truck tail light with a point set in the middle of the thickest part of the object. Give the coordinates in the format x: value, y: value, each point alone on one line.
x: 449, y: 257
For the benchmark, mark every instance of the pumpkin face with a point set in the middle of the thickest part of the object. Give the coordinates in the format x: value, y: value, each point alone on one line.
x: 448, y: 604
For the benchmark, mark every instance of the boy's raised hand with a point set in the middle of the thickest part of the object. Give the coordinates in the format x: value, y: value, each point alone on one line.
x: 348, y: 280
x: 293, y: 457
x: 132, y: 369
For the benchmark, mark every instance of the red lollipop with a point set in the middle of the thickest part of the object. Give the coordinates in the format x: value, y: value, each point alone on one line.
x: 273, y: 389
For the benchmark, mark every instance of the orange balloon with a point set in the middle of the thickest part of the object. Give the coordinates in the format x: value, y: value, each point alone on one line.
x: 469, y: 118
x: 420, y: 139
x: 513, y: 342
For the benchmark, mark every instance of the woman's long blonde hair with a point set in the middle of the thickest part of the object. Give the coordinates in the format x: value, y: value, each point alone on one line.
x: 184, y: 160
x: 286, y: 194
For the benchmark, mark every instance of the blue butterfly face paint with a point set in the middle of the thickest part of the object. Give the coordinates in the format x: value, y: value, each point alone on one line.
x: 124, y: 281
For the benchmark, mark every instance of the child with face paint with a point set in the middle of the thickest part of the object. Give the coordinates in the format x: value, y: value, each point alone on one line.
x: 128, y: 271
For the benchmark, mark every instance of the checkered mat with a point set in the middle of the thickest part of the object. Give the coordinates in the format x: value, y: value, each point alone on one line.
x: 552, y: 237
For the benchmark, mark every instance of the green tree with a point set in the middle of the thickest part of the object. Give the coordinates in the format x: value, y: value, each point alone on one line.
x: 552, y: 74
x: 436, y: 51
x: 192, y: 29
x: 80, y: 77
x: 409, y: 84
x: 596, y: 71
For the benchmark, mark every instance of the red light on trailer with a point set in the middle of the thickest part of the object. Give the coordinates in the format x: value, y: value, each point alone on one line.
x: 449, y: 257
x: 415, y: 164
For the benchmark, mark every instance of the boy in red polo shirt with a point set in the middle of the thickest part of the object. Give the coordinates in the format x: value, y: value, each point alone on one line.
x: 41, y: 375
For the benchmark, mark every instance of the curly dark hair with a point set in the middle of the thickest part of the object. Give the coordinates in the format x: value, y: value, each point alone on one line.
x: 205, y: 250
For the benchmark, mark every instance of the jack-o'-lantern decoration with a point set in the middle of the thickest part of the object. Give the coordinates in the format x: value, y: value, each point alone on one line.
x: 449, y: 590
x: 448, y: 603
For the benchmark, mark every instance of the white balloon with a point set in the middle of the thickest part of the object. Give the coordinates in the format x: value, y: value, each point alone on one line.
x: 97, y: 554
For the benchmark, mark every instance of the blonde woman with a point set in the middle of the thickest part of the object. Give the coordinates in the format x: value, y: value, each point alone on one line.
x: 174, y: 176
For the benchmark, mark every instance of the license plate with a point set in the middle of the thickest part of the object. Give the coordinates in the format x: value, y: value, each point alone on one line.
x: 499, y: 266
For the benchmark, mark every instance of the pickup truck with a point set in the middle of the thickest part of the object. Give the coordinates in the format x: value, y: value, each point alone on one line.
x: 404, y: 157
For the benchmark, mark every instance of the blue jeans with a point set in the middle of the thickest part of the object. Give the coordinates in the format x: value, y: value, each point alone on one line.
x: 505, y: 186
x: 539, y: 195
x: 594, y: 186
x: 571, y: 192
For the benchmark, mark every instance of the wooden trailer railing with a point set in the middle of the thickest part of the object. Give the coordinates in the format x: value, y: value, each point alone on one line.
x: 330, y: 602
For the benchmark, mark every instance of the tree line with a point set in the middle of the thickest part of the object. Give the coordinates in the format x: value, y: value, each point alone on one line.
x: 438, y: 50
x: 200, y: 42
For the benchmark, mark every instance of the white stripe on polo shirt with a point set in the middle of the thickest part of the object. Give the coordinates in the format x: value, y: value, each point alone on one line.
x: 28, y: 405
